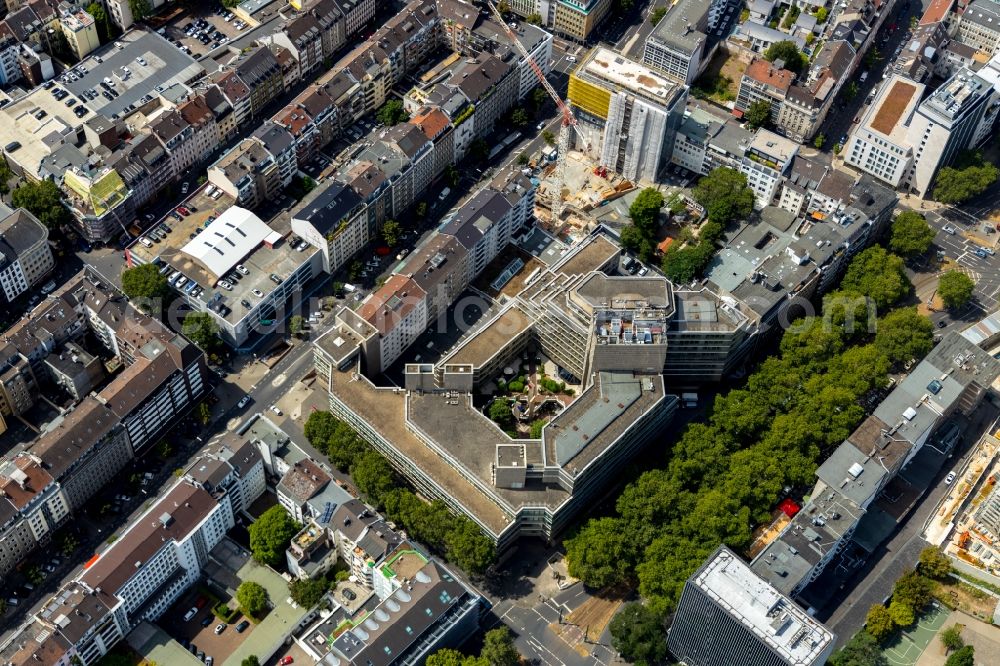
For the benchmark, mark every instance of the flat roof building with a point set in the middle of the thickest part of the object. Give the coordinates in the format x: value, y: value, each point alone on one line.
x: 728, y: 616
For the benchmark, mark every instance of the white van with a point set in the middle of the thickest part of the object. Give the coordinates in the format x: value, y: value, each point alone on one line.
x: 444, y: 194
x: 145, y: 241
x: 190, y: 614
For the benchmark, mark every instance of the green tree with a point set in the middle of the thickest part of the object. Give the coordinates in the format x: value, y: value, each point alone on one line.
x: 657, y: 14
x: 601, y: 553
x: 534, y: 19
x: 391, y: 231
x: 934, y: 564
x: 204, y: 413
x: 518, y: 117
x: 270, y: 535
x: 964, y: 656
x: 911, y: 235
x: 451, y: 175
x: 879, y: 622
x: 902, y: 613
x: 320, y: 427
x: 820, y: 14
x: 141, y: 9
x: 631, y: 237
x: 536, y: 429
x: 861, y: 650
x: 392, y: 113
x: 252, y: 598
x: 787, y: 51
x: 966, y: 178
x: 145, y: 287
x: 851, y: 91
x: 498, y: 648
x: 877, y: 274
x: 955, y: 289
x: 724, y: 194
x: 951, y: 637
x: 469, y: 548
x: 904, y: 334
x: 421, y: 210
x: 296, y: 325
x: 548, y: 137
x: 539, y: 98
x: 446, y: 657
x: 43, y: 200
x: 645, y: 211
x: 252, y: 660
x: 637, y: 632
x: 872, y: 57
x: 96, y: 10
x: 819, y: 141
x: 307, y: 593
x: 758, y: 114
x: 201, y: 329
x: 373, y: 476
x: 912, y: 589
x: 500, y: 414
x: 523, y: 159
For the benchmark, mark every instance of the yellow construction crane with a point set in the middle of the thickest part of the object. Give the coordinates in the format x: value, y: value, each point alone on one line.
x: 568, y: 120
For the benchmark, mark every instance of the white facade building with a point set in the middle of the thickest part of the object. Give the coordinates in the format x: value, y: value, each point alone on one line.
x: 879, y: 144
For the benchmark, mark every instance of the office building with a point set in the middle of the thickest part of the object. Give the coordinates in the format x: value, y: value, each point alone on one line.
x: 628, y: 114
x: 979, y: 26
x: 765, y: 163
x: 680, y: 45
x: 25, y: 255
x: 727, y: 616
x: 958, y: 115
x: 879, y: 144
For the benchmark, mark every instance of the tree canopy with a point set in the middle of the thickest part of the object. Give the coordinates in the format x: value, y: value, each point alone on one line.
x: 307, y: 593
x: 724, y: 194
x: 270, y: 535
x: 373, y: 476
x: 498, y: 648
x: 911, y: 235
x: 601, y: 552
x: 912, y: 589
x: 637, y: 633
x: 657, y: 14
x: 252, y: 660
x: 955, y: 289
x: 879, y: 622
x: 934, y: 564
x: 964, y: 656
x: 879, y: 275
x: 787, y: 51
x: 146, y: 287
x: 968, y: 177
x: 392, y: 113
x: 391, y: 232
x: 951, y: 637
x: 903, y: 334
x: 861, y: 650
x: 202, y: 330
x: 252, y: 598
x: 758, y: 114
x: 141, y: 9
x: 43, y: 200
x: 645, y: 210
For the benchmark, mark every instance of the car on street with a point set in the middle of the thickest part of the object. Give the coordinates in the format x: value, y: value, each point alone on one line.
x: 948, y: 229
x: 948, y: 479
x: 287, y: 659
x: 185, y: 186
x: 274, y: 408
x: 244, y: 401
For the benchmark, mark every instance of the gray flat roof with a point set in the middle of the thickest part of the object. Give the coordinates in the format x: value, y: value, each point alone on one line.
x: 679, y: 28
x: 165, y: 65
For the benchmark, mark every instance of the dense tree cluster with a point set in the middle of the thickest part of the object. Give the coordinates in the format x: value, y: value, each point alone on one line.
x: 911, y: 235
x: 455, y: 537
x: 252, y: 598
x: 270, y: 535
x: 498, y: 650
x: 640, y: 236
x: 724, y: 476
x: 758, y: 114
x: 968, y: 177
x: 786, y: 51
x: 955, y: 289
x: 392, y: 113
x: 145, y: 287
x: 43, y: 200
x: 307, y: 593
x: 861, y: 650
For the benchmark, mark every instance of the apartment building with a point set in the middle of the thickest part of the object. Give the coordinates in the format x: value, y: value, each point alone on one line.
x: 765, y: 163
x: 25, y: 255
x: 260, y: 72
x: 237, y: 94
x: 79, y: 29
x: 879, y: 144
x: 10, y: 48
x: 763, y: 82
x: 332, y: 218
x: 851, y: 506
x: 679, y: 45
x: 79, y: 451
x: 247, y: 173
x: 707, y: 139
x: 307, y: 492
x: 627, y: 113
x: 727, y: 615
x: 979, y: 26
x: 356, y: 14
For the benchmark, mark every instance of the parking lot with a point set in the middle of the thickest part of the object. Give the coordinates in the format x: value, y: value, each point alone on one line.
x: 197, y: 33
x: 197, y: 634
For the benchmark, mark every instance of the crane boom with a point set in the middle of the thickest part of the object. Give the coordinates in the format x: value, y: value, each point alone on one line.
x: 568, y: 119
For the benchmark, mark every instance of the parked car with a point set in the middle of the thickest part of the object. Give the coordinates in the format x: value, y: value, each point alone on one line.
x: 242, y: 626
x: 274, y: 408
x: 244, y: 401
x: 948, y: 479
x: 190, y: 614
x: 219, y: 628
x: 948, y: 229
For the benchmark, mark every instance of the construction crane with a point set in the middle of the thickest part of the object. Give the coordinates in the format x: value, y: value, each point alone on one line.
x: 565, y: 128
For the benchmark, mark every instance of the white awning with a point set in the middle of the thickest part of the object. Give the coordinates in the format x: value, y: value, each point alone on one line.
x: 227, y: 240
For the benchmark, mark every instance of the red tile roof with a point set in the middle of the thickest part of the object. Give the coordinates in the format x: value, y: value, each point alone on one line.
x: 765, y: 72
